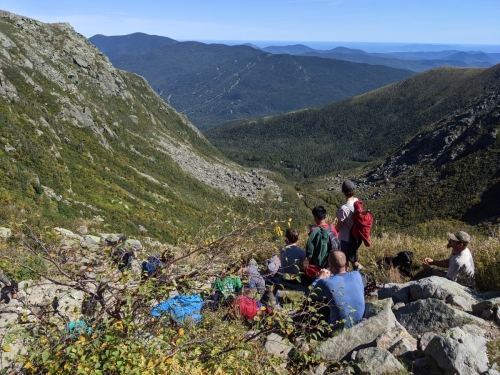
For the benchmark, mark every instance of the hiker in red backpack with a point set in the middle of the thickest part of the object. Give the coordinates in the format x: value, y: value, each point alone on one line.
x: 344, y: 224
x: 245, y: 306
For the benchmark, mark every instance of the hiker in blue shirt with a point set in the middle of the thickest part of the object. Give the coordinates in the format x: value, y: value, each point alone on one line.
x: 343, y: 290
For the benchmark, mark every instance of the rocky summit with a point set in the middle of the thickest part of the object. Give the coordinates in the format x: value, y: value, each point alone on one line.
x: 81, y: 139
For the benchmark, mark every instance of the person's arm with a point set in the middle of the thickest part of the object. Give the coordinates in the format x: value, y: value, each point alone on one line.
x: 310, y: 246
x: 238, y: 284
x: 445, y: 263
x: 3, y: 279
x: 338, y: 226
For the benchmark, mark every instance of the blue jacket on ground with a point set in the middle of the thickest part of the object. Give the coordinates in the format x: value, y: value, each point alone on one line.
x: 180, y: 308
x: 345, y: 295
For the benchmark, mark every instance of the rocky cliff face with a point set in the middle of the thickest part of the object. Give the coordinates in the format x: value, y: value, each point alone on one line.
x: 98, y: 137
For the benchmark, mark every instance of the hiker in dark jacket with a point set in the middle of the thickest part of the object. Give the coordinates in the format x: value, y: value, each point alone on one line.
x: 10, y: 287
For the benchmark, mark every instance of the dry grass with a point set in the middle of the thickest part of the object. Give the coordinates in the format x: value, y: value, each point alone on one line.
x: 485, y: 251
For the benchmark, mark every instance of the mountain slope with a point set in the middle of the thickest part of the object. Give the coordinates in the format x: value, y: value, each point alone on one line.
x: 82, y: 140
x: 113, y: 46
x: 342, y: 135
x: 450, y: 169
x: 215, y: 83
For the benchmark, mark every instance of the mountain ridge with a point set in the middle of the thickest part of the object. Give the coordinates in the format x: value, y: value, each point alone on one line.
x: 296, y: 144
x: 83, y: 140
x: 214, y: 83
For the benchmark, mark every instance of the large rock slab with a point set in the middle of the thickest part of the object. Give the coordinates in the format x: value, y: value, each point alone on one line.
x: 377, y: 361
x: 391, y: 338
x: 432, y: 315
x: 362, y: 335
x: 441, y: 288
x: 460, y: 351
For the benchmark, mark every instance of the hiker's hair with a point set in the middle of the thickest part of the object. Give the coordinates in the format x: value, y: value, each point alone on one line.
x: 337, y: 260
x: 248, y: 292
x: 292, y: 235
x: 319, y: 212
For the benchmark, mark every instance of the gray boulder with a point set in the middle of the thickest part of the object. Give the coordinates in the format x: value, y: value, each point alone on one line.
x: 400, y: 293
x: 360, y: 336
x: 426, y: 339
x: 377, y: 361
x: 485, y: 305
x: 460, y: 351
x: 432, y: 315
x: 393, y: 339
x: 441, y: 288
x: 404, y: 348
x: 275, y: 344
x: 5, y: 232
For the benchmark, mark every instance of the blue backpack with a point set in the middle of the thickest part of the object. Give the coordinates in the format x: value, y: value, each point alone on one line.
x: 180, y: 308
x: 153, y: 263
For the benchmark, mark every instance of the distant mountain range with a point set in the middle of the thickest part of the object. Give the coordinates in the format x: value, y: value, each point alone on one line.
x: 343, y: 135
x: 416, y: 61
x: 213, y: 83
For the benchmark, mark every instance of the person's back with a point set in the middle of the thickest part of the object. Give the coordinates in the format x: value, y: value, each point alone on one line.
x: 322, y: 239
x: 292, y: 259
x: 461, y: 268
x: 345, y: 222
x: 345, y: 294
x: 227, y: 286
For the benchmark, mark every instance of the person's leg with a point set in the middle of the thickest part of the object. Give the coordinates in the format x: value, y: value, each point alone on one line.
x: 4, y: 295
x: 13, y: 289
x: 347, y: 249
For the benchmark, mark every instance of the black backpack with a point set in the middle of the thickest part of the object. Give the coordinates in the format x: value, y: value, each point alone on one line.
x: 121, y: 257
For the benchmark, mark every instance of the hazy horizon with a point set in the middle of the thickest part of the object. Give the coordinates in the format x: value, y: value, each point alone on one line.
x: 357, y: 21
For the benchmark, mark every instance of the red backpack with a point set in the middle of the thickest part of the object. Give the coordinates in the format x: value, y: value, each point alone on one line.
x: 245, y: 307
x: 362, y: 222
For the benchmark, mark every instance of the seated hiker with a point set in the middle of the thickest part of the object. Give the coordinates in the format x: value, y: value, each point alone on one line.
x: 292, y: 259
x: 10, y: 287
x: 344, y: 292
x: 123, y: 257
x: 155, y: 266
x: 460, y: 264
x: 322, y: 240
x: 226, y: 286
x: 256, y: 281
x: 246, y: 307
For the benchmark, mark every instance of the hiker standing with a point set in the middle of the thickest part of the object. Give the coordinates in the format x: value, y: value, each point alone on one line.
x: 10, y: 287
x: 344, y: 224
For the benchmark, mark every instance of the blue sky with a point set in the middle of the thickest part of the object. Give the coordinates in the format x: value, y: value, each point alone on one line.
x: 405, y: 21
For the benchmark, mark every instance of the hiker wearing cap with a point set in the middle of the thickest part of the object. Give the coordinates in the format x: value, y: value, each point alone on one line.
x: 460, y: 263
x: 345, y: 222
